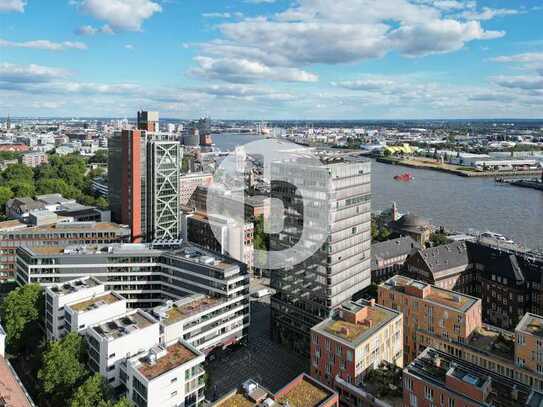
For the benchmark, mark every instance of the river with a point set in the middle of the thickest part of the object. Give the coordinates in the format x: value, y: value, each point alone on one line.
x: 458, y: 203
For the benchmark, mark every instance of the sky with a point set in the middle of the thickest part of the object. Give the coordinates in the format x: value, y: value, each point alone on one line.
x: 272, y: 59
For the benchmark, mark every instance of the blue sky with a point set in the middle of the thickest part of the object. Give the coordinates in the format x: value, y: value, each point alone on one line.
x: 266, y: 59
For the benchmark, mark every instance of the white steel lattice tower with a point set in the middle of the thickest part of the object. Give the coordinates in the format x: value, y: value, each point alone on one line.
x: 164, y: 161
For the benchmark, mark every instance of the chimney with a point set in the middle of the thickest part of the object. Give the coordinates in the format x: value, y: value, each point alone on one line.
x: 437, y: 362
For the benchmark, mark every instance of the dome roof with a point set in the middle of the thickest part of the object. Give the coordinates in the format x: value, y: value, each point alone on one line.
x: 412, y: 221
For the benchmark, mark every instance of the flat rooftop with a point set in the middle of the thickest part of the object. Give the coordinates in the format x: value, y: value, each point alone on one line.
x: 95, y: 302
x: 305, y: 392
x: 493, y: 342
x: 500, y: 392
x: 105, y: 249
x: 439, y: 296
x: 124, y: 324
x: 11, y: 390
x: 356, y: 333
x: 195, y: 254
x: 75, y: 286
x: 531, y: 324
x: 175, y: 356
x: 188, y: 307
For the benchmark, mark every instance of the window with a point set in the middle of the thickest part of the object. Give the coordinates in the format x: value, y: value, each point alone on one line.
x: 428, y: 393
x: 173, y: 380
x: 173, y: 394
x: 451, y: 402
x: 413, y: 400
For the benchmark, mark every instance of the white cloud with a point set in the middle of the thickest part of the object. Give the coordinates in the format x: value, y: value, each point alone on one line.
x: 525, y: 58
x: 90, y: 30
x: 525, y: 82
x: 12, y: 5
x: 129, y: 46
x: 244, y: 70
x: 332, y: 32
x: 11, y: 73
x: 223, y: 15
x: 44, y: 45
x: 487, y: 13
x: 121, y: 15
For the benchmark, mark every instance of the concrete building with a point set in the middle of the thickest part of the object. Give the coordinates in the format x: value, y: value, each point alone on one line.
x: 56, y: 234
x: 437, y: 378
x: 165, y: 377
x: 428, y: 308
x: 189, y: 182
x: 205, y: 322
x: 148, y: 121
x: 360, y: 337
x: 113, y: 341
x: 20, y: 208
x: 53, y: 202
x: 149, y: 278
x: 306, y: 293
x: 220, y: 234
x: 143, y: 175
x: 34, y: 159
x: 303, y: 391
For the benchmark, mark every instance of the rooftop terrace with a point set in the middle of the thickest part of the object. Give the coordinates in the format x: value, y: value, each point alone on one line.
x: 493, y: 341
x: 186, y: 308
x: 356, y: 321
x: 430, y: 293
x: 95, y: 302
x: 531, y: 324
x: 156, y: 364
x: 304, y: 392
x: 124, y: 325
x: 75, y: 286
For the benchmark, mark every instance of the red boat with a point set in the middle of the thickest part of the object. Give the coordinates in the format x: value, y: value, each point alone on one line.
x: 405, y: 177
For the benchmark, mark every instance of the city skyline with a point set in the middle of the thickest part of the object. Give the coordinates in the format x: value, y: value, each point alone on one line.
x: 265, y: 59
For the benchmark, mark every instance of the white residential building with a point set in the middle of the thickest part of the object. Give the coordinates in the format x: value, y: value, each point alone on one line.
x: 165, y: 377
x: 111, y: 342
x: 59, y: 295
x: 2, y: 341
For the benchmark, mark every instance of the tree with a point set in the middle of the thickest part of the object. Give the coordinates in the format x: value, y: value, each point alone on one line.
x: 102, y: 203
x: 18, y: 173
x: 22, y: 188
x: 93, y: 392
x: 101, y: 156
x: 438, y: 239
x: 124, y: 402
x: 21, y: 313
x: 5, y: 194
x: 63, y: 368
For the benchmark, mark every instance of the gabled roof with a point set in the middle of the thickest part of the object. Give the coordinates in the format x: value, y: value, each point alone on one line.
x: 393, y: 248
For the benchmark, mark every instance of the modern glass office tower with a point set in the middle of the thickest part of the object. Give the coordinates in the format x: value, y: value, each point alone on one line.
x: 338, y: 190
x: 144, y: 184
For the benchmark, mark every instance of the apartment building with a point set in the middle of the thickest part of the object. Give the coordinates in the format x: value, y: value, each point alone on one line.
x: 56, y: 234
x: 437, y: 378
x: 508, y: 281
x: 205, y: 322
x: 112, y: 341
x: 335, y: 194
x: 303, y: 391
x: 169, y: 376
x: 360, y: 335
x: 427, y: 308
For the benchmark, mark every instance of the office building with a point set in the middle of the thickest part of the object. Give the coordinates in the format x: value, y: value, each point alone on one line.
x: 220, y: 234
x: 75, y: 305
x: 144, y: 184
x: 338, y: 191
x: 55, y: 234
x: 149, y: 278
x: 112, y: 341
x: 447, y: 314
x: 165, y: 377
x: 436, y: 378
x: 34, y: 159
x: 189, y: 182
x: 359, y: 336
x: 203, y: 321
x: 148, y: 121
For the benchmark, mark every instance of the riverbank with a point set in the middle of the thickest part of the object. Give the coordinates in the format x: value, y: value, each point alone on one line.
x: 527, y: 184
x: 427, y: 164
